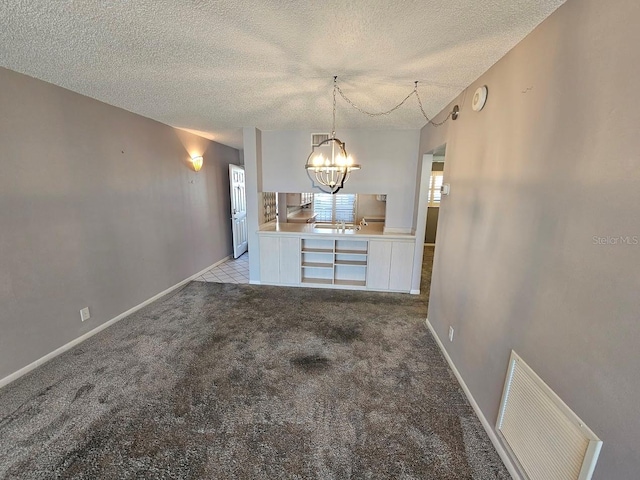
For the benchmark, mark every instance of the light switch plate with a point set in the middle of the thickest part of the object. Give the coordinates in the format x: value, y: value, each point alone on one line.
x: 84, y: 314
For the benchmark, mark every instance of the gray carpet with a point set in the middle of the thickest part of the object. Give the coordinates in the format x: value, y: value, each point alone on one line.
x: 238, y: 381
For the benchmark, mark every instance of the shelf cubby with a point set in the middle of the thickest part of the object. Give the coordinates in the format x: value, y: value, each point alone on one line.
x: 316, y: 265
x: 318, y: 245
x: 334, y: 262
x: 318, y: 281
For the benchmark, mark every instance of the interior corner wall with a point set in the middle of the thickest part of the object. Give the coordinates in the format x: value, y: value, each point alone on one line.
x: 537, y: 246
x: 99, y: 208
x: 389, y: 160
x: 252, y: 148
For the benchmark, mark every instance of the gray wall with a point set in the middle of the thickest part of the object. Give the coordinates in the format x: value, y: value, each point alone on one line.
x: 549, y: 164
x: 252, y: 148
x: 98, y: 208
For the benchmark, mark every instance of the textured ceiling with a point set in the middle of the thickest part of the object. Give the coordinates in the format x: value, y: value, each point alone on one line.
x: 215, y: 66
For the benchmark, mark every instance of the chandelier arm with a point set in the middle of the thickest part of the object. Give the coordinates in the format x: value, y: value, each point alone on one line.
x: 316, y: 183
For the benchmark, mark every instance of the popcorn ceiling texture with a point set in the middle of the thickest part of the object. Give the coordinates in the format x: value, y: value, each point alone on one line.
x: 216, y: 66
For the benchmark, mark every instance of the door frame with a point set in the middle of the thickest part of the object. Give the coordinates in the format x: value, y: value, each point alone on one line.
x: 421, y: 221
x: 238, y: 251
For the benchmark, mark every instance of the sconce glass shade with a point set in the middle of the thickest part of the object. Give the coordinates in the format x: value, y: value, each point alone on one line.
x: 331, y: 168
x: 196, y: 161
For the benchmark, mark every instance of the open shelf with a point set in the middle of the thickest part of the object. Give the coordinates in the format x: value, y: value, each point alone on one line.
x: 317, y: 265
x: 352, y: 263
x: 350, y: 283
x: 317, y: 250
x: 321, y: 281
x: 347, y: 265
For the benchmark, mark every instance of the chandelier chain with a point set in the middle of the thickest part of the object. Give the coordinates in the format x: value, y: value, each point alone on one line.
x: 387, y: 112
x: 435, y: 124
x: 333, y: 128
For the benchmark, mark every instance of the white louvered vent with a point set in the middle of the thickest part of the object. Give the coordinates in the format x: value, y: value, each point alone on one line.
x: 546, y: 438
x: 318, y: 138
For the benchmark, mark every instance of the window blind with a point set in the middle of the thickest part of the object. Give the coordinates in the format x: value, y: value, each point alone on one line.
x: 435, y: 183
x: 334, y: 208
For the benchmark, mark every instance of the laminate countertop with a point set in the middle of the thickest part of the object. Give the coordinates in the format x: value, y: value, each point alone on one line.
x: 371, y: 230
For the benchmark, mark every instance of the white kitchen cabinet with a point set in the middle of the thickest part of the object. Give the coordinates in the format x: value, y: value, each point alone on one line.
x: 359, y: 262
x: 401, y: 266
x: 279, y: 260
x: 289, y: 249
x: 390, y: 265
x: 379, y: 264
x: 270, y: 260
x: 299, y: 199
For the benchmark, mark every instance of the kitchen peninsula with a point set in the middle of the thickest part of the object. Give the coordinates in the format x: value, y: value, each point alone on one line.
x: 329, y: 256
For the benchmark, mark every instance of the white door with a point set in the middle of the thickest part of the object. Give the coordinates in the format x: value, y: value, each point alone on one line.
x: 238, y: 210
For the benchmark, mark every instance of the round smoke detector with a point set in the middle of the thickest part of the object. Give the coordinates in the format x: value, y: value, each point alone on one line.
x: 479, y: 98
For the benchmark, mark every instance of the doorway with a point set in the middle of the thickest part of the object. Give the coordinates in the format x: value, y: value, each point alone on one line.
x: 436, y: 180
x: 238, y: 195
x: 428, y: 216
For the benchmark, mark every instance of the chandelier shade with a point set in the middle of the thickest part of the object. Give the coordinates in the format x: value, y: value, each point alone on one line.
x: 329, y: 165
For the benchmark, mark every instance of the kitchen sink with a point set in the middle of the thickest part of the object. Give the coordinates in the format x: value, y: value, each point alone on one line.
x: 334, y: 226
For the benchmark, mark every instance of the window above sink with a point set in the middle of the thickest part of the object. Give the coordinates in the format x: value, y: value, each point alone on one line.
x: 324, y: 208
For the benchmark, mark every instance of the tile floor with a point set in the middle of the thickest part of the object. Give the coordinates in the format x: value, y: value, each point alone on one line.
x: 231, y: 271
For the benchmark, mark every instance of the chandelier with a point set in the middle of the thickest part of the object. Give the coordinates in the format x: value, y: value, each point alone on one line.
x: 333, y: 170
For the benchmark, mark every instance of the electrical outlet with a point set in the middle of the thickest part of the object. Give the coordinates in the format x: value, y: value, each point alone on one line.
x: 450, y: 334
x: 84, y: 314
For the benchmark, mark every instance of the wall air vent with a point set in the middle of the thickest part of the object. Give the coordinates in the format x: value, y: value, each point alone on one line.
x: 318, y: 138
x: 547, y: 440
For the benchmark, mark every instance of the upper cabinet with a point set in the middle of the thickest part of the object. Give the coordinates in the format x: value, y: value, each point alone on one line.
x: 299, y: 199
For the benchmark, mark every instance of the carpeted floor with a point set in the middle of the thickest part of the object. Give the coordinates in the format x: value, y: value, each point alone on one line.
x: 249, y: 382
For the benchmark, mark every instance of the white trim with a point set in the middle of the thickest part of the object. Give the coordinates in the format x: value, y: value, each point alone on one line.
x: 422, y: 194
x: 24, y: 370
x: 487, y: 426
x: 254, y: 282
x: 397, y: 230
x: 415, y: 292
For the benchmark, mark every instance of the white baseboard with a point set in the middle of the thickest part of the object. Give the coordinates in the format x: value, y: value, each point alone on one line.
x: 254, y: 282
x: 490, y: 432
x: 24, y: 370
x: 415, y: 292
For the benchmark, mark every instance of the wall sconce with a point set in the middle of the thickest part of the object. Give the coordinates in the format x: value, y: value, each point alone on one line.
x: 196, y: 161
